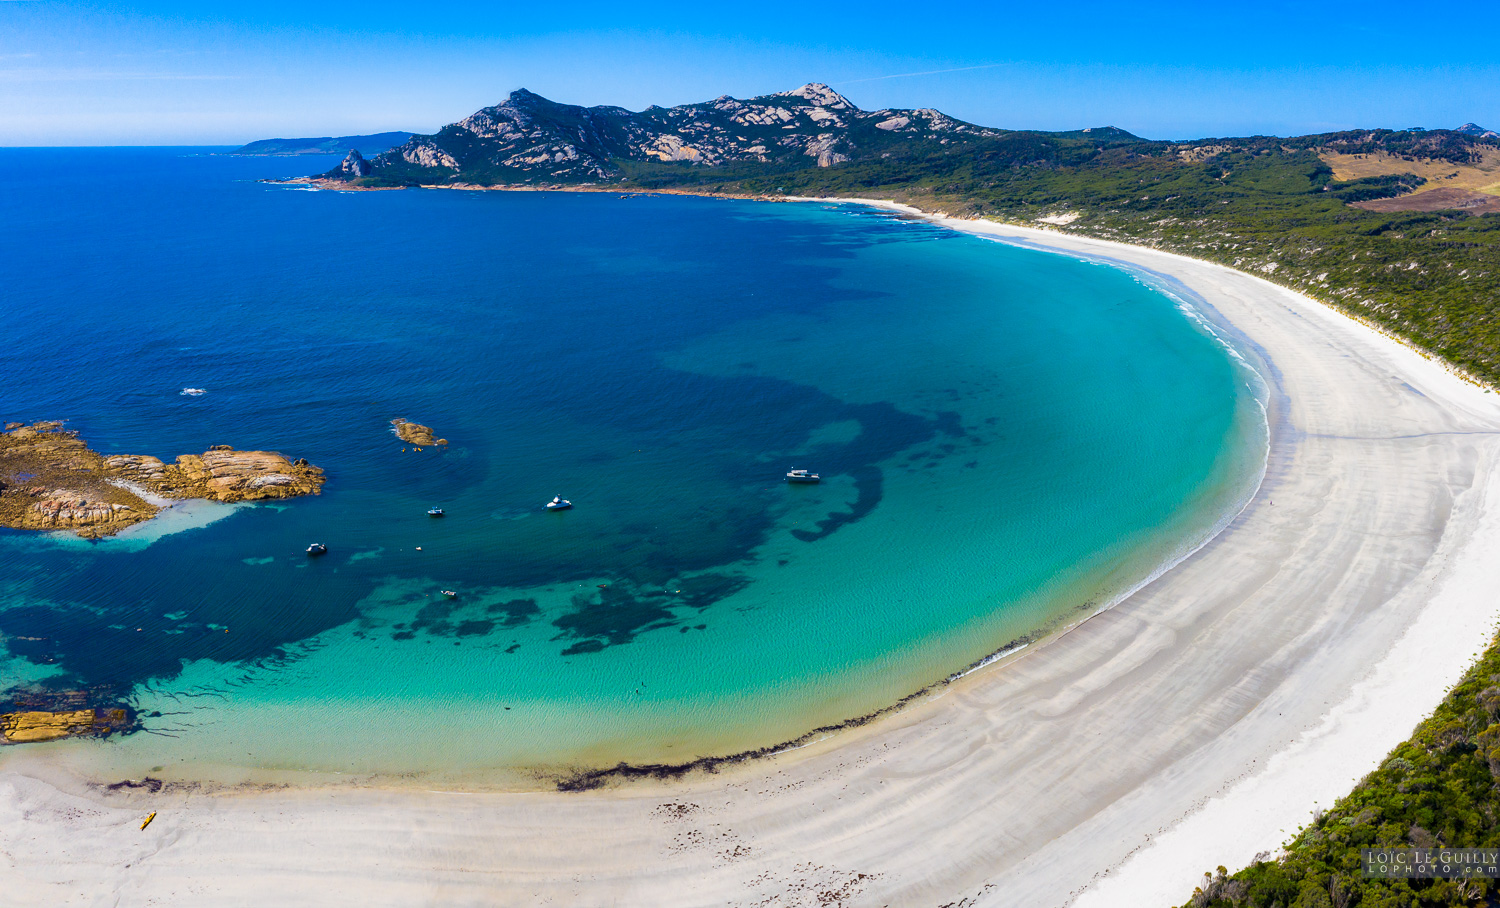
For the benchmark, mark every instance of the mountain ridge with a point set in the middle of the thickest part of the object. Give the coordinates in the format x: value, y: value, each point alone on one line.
x: 527, y: 138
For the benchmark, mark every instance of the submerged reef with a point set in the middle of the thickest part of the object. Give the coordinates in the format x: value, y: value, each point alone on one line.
x: 51, y: 480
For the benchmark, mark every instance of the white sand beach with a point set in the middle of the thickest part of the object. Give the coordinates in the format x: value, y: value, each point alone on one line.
x: 1194, y: 724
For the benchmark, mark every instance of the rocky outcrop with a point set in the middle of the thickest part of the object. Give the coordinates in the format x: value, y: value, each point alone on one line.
x: 32, y: 727
x: 220, y: 474
x: 67, y: 509
x: 51, y: 480
x: 354, y: 165
x: 823, y: 148
x: 426, y: 154
x: 672, y: 148
x: 819, y: 95
x: 415, y: 433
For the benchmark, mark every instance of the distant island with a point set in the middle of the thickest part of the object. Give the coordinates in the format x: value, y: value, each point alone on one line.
x: 370, y: 145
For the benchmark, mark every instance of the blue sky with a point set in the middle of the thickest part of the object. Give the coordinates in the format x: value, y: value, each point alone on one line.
x: 207, y: 73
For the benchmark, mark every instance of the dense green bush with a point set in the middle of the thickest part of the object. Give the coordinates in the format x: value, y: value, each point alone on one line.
x: 1385, y: 187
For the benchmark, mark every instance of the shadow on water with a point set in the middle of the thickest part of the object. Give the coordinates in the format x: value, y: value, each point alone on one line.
x: 545, y: 375
x: 112, y: 620
x: 532, y: 330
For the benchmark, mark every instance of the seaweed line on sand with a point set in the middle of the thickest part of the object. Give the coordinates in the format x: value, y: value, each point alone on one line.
x: 591, y: 779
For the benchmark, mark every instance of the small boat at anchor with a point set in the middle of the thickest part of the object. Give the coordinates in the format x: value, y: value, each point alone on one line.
x: 802, y: 476
x: 434, y: 512
x: 451, y: 594
x: 317, y: 548
x: 559, y: 503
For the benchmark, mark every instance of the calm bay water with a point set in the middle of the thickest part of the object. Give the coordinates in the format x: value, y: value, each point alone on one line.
x: 1008, y: 439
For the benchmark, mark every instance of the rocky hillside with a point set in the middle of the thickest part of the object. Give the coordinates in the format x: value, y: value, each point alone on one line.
x: 528, y: 138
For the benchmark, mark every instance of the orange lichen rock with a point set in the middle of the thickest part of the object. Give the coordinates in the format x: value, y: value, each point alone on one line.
x: 415, y: 433
x: 220, y: 474
x: 31, y: 727
x: 51, y: 480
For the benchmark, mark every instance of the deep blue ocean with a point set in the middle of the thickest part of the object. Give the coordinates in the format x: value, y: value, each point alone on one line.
x: 1008, y: 439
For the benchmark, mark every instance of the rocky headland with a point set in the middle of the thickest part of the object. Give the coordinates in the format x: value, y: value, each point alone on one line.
x: 415, y: 433
x: 51, y: 480
x: 527, y: 140
x: 354, y: 165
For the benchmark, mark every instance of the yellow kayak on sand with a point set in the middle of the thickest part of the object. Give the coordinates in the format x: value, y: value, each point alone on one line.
x: 149, y: 819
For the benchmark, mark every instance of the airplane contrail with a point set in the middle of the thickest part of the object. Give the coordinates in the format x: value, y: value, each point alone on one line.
x: 930, y: 72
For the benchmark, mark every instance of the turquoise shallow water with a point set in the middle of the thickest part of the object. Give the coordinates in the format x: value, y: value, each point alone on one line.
x: 1009, y: 439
